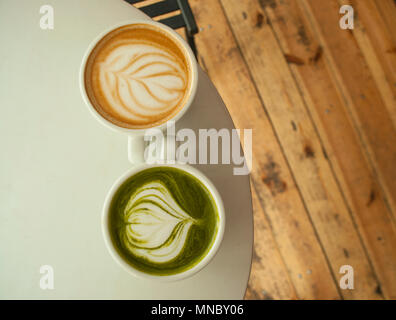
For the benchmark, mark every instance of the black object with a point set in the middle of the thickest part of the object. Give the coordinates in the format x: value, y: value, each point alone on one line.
x: 184, y: 19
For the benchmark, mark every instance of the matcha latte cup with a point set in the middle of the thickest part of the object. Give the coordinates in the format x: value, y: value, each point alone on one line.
x: 163, y: 222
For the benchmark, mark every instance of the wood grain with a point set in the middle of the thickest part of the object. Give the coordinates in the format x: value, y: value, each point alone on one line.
x: 276, y: 191
x: 302, y: 147
x: 387, y: 9
x: 351, y: 75
x: 360, y: 92
x: 269, y: 279
x: 377, y: 47
x: 327, y: 110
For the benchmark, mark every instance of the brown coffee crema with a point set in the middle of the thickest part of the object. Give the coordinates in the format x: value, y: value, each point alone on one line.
x: 137, y: 76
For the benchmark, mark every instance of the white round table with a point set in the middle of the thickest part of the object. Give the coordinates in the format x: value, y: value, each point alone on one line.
x: 57, y: 164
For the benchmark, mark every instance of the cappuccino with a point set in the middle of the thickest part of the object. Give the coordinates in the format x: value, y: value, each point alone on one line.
x: 138, y: 76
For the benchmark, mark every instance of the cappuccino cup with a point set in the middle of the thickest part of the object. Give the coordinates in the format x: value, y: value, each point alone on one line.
x: 136, y: 76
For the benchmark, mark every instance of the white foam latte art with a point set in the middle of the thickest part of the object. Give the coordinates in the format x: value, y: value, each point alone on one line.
x: 156, y: 228
x: 141, y: 82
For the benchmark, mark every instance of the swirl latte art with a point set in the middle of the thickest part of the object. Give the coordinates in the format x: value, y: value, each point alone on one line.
x: 137, y: 76
x: 163, y: 220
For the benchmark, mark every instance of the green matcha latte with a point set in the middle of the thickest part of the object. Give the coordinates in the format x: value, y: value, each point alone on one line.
x: 163, y: 221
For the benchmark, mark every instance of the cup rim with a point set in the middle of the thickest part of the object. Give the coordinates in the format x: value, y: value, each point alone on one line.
x: 184, y: 274
x: 189, y: 53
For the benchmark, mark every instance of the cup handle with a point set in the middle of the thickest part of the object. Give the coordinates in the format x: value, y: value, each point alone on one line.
x: 136, y: 147
x: 164, y: 150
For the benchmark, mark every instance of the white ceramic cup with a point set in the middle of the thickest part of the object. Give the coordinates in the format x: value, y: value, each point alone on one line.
x: 136, y: 143
x: 182, y: 275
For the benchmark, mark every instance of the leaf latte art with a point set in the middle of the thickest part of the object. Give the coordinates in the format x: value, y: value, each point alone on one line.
x: 136, y: 77
x: 163, y: 220
x: 142, y: 82
x: 155, y: 226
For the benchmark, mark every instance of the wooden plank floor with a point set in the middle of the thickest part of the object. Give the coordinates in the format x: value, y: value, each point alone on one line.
x: 322, y: 105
